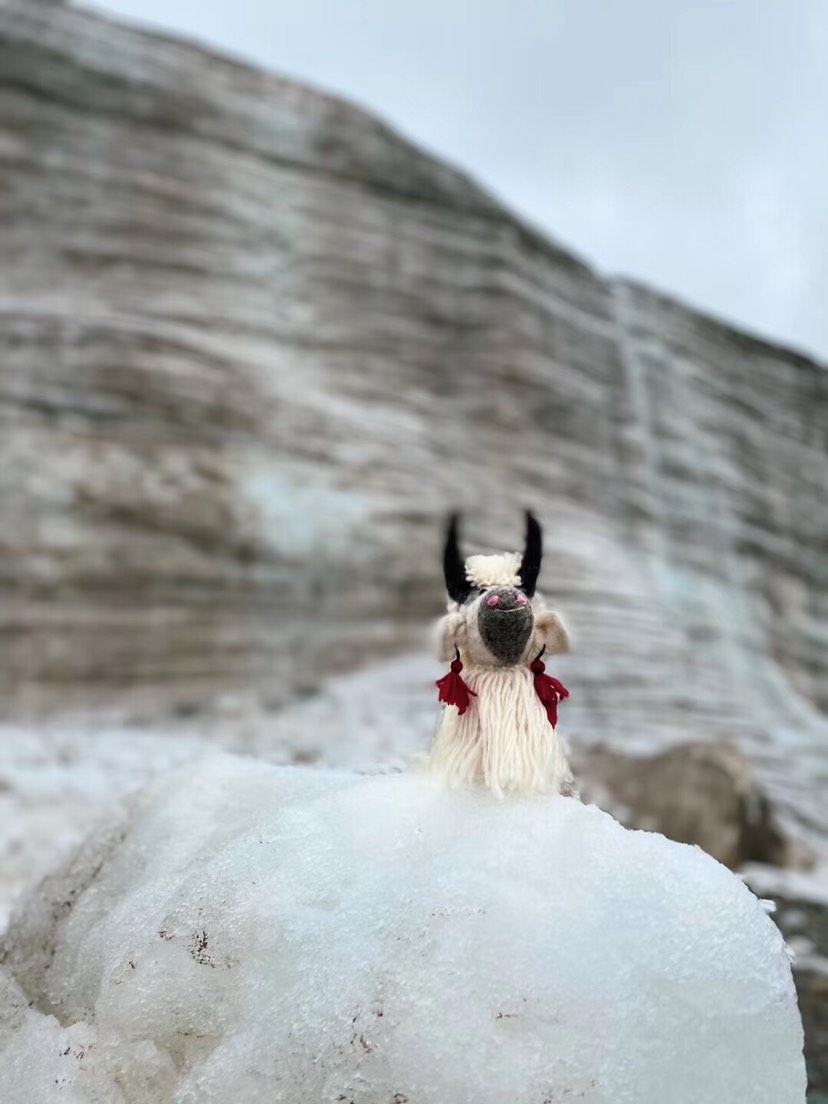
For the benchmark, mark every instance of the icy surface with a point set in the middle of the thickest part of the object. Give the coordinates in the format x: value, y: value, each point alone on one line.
x: 57, y: 781
x: 257, y: 933
x: 58, y: 778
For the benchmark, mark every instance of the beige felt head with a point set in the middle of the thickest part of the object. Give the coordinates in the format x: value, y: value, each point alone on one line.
x: 495, y: 618
x: 459, y: 629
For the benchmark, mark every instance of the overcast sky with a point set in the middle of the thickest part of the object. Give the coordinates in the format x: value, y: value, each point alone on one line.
x: 682, y: 142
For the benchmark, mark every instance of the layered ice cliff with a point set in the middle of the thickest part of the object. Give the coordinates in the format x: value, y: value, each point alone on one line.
x: 255, y: 344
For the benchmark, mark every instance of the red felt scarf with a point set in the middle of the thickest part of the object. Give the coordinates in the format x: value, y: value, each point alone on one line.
x: 453, y: 691
x: 549, y: 690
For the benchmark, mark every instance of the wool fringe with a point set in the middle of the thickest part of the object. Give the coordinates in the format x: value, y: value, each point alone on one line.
x: 504, y: 741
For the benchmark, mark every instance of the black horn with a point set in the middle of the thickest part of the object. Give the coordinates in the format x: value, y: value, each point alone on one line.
x: 530, y: 565
x: 454, y: 567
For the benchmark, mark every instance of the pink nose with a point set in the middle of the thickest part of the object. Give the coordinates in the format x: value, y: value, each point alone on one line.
x: 522, y: 600
x: 493, y: 599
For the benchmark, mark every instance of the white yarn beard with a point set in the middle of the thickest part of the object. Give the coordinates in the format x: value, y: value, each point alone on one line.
x: 504, y: 739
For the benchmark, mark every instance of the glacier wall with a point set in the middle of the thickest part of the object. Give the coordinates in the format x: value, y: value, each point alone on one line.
x: 254, y: 344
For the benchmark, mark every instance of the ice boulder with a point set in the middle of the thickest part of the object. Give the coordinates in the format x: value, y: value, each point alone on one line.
x: 260, y: 934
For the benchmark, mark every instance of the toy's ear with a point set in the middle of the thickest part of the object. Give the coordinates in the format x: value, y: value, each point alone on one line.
x: 449, y: 633
x: 551, y: 632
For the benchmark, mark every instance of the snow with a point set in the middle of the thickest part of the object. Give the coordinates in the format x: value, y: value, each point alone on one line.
x: 57, y: 782
x: 58, y: 779
x: 261, y: 933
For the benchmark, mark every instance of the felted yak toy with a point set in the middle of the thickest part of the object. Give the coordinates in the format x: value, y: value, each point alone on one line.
x: 498, y: 725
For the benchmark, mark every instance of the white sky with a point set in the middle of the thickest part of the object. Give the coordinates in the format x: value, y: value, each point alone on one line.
x: 682, y: 142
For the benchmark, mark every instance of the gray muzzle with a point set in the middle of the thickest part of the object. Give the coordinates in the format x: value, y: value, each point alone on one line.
x: 505, y: 624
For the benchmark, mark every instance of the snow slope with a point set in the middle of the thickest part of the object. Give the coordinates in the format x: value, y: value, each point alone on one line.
x: 257, y: 933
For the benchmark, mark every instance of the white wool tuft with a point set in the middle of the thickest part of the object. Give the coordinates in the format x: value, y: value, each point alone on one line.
x: 490, y: 571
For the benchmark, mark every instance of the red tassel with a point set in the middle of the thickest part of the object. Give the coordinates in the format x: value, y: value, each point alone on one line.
x: 549, y: 690
x: 453, y: 691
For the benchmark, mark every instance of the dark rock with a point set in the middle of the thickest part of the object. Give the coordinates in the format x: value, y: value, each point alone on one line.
x: 706, y: 794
